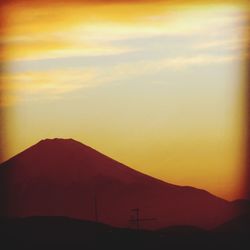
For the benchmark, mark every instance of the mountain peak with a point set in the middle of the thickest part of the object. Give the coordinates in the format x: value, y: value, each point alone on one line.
x: 60, y: 146
x: 55, y: 142
x: 58, y: 140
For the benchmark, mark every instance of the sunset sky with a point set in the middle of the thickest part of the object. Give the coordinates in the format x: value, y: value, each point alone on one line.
x: 156, y: 85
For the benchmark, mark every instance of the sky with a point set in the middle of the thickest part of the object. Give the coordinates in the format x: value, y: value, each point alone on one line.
x: 156, y: 85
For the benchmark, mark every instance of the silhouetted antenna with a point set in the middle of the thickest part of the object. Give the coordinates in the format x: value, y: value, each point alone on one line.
x: 96, y: 207
x: 136, y: 218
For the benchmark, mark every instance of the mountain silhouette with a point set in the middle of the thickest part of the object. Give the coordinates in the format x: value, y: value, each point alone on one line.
x: 63, y: 177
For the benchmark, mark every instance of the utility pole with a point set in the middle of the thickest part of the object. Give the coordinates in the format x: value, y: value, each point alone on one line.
x: 96, y: 207
x: 136, y: 218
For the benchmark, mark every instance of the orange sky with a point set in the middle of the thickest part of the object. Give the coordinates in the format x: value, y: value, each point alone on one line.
x: 156, y: 85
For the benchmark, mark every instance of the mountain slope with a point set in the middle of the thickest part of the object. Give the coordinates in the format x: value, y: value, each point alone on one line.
x: 58, y: 177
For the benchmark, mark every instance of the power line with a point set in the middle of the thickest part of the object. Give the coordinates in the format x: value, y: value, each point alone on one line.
x: 136, y: 218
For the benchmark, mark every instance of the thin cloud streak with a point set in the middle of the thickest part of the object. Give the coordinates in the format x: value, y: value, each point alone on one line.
x: 56, y: 84
x: 96, y: 38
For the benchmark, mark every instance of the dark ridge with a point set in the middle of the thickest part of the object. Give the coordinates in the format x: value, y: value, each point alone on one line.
x: 66, y: 233
x: 239, y: 225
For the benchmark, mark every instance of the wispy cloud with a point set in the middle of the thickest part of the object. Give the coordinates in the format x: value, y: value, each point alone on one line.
x: 28, y: 86
x: 95, y: 36
x: 56, y: 84
x: 236, y: 43
x: 143, y: 68
x: 40, y: 47
x: 100, y: 39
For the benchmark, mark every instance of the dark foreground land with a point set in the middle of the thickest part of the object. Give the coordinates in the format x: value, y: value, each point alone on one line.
x: 63, y: 233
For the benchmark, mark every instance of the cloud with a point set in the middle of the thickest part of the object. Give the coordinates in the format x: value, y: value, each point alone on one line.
x: 230, y: 33
x: 39, y: 36
x: 143, y: 68
x: 33, y: 49
x: 237, y: 43
x: 41, y: 32
x: 91, y: 2
x: 98, y: 38
x: 96, y: 2
x: 27, y: 86
x: 55, y: 84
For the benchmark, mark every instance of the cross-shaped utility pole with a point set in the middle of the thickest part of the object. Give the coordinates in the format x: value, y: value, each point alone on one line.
x: 136, y: 218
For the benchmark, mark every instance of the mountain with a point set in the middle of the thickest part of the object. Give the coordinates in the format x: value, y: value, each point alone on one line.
x: 63, y: 177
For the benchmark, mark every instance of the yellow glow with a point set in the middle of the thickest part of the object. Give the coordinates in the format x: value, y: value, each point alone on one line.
x: 183, y: 145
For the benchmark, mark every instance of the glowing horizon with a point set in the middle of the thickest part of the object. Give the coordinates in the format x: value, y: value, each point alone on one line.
x: 156, y: 86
